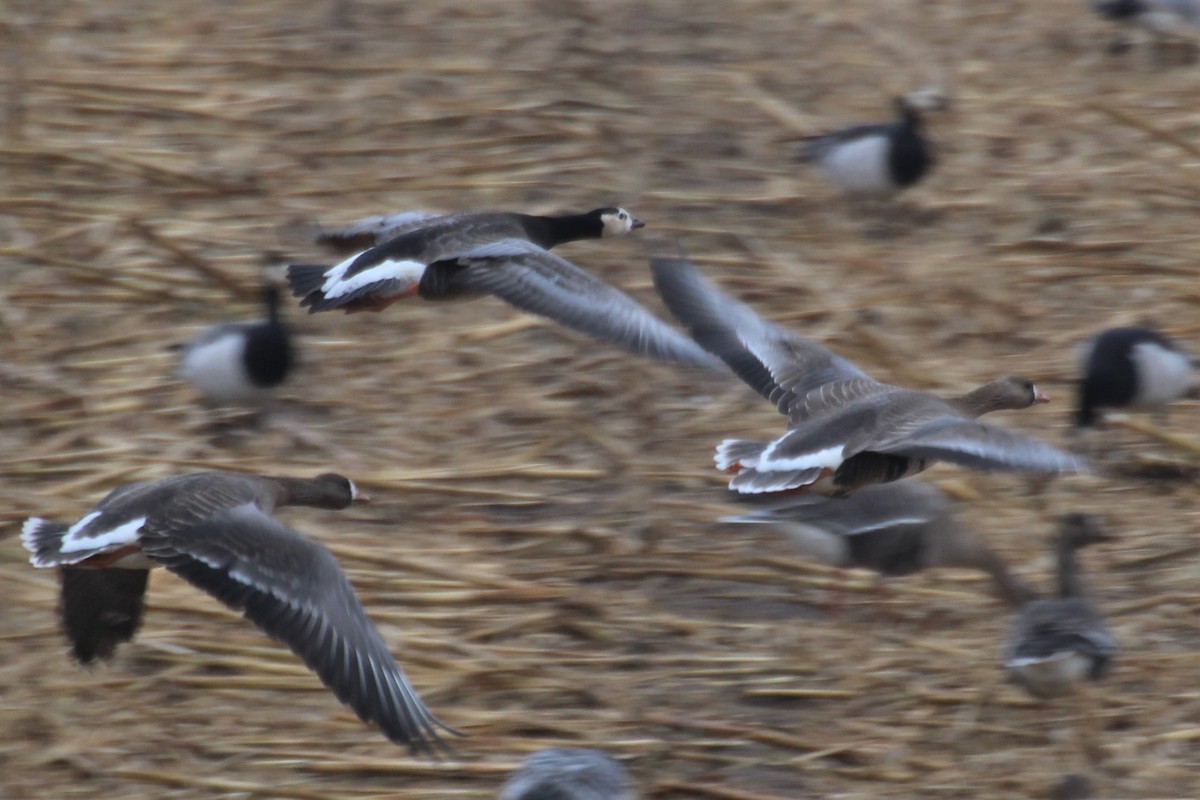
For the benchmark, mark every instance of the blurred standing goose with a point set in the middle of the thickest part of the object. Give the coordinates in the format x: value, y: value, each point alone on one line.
x: 845, y: 429
x: 1162, y: 18
x: 875, y: 160
x: 214, y: 530
x: 240, y: 363
x: 1055, y: 645
x: 1133, y: 368
x: 892, y: 528
x: 465, y: 255
x: 568, y: 773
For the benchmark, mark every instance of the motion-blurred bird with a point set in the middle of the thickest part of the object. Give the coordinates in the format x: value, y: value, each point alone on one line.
x: 569, y: 773
x: 240, y: 363
x: 466, y: 255
x: 846, y: 430
x: 1131, y: 368
x: 215, y: 530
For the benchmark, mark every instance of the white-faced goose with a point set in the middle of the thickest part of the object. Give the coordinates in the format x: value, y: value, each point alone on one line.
x: 240, y: 363
x: 461, y: 256
x: 568, y: 773
x: 877, y: 159
x: 1057, y: 643
x: 845, y: 429
x: 214, y: 530
x: 892, y: 528
x: 1131, y: 368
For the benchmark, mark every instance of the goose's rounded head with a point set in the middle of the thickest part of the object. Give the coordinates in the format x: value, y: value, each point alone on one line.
x: 1015, y: 392
x: 340, y: 490
x: 617, y: 222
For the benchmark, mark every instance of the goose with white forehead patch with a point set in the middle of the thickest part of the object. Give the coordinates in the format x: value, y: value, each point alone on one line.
x: 214, y: 530
x: 846, y: 430
x: 470, y: 254
x: 1131, y: 368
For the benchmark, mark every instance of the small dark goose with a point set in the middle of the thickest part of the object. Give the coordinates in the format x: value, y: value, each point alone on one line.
x: 1055, y: 644
x: 568, y: 773
x: 892, y: 528
x: 1131, y: 368
x: 240, y: 363
x: 874, y: 160
x: 845, y: 429
x: 461, y: 256
x: 214, y: 530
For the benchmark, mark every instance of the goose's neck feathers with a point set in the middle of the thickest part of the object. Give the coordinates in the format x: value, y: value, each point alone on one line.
x: 1008, y: 393
x: 549, y: 232
x: 1075, y: 531
x: 271, y: 298
x: 329, y: 491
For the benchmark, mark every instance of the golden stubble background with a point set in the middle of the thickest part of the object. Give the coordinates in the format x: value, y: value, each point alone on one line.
x: 542, y: 553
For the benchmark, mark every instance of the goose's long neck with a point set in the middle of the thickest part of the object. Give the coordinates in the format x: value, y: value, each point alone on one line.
x: 1070, y: 582
x: 301, y: 492
x: 549, y: 232
x: 978, y: 402
x: 271, y: 296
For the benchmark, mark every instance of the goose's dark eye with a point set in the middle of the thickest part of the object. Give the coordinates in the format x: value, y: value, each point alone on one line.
x: 622, y: 216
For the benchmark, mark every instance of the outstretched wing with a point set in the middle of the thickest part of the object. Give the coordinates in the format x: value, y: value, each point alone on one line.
x: 976, y: 444
x: 294, y: 589
x: 534, y: 279
x: 781, y: 366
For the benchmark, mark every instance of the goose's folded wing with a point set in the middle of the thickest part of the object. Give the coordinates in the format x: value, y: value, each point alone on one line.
x: 536, y: 280
x: 982, y: 446
x: 781, y: 366
x: 374, y: 230
x: 293, y: 589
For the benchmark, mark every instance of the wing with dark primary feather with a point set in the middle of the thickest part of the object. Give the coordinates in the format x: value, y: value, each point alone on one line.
x: 293, y: 589
x: 781, y: 366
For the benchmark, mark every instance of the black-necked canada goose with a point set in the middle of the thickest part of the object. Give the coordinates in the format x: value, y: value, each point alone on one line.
x: 1134, y: 368
x: 569, y: 773
x: 845, y: 429
x: 877, y: 159
x: 892, y: 528
x: 1057, y: 643
x: 214, y: 530
x: 240, y: 363
x: 460, y: 256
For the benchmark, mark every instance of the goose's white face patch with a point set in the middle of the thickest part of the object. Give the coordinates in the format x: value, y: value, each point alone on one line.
x: 127, y: 533
x: 405, y: 272
x: 619, y: 223
x: 1163, y: 375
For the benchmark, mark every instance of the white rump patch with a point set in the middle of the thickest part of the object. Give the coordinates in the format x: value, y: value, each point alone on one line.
x: 829, y: 458
x: 860, y: 166
x: 1163, y: 375
x: 406, y: 271
x: 127, y: 533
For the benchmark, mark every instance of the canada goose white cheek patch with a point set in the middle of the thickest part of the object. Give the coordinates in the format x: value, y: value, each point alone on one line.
x: 407, y: 273
x: 125, y: 533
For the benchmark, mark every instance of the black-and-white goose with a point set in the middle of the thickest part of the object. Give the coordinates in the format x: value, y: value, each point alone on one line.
x: 1163, y: 18
x: 1057, y: 643
x: 459, y: 256
x: 892, y: 528
x: 240, y: 363
x: 846, y: 430
x: 215, y: 530
x: 877, y: 159
x: 569, y: 773
x: 1135, y: 368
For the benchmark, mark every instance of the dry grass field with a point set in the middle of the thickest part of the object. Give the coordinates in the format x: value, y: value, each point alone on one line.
x: 542, y: 553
